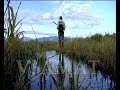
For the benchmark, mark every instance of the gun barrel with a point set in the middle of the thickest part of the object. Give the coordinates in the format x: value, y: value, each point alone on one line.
x: 55, y: 23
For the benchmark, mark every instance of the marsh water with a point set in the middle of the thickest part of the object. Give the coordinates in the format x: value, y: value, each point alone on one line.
x: 59, y: 72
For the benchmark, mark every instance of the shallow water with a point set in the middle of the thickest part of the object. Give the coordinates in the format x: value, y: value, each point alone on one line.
x: 61, y: 73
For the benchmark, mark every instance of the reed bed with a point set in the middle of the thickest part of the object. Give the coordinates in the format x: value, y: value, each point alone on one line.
x: 17, y: 54
x: 94, y: 48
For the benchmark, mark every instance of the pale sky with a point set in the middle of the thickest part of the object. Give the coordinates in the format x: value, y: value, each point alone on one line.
x: 82, y: 18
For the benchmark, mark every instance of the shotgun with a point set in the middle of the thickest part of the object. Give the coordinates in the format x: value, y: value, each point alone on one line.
x: 55, y: 23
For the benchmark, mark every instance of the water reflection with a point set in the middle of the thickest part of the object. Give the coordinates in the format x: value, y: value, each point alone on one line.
x: 61, y: 73
x: 59, y: 77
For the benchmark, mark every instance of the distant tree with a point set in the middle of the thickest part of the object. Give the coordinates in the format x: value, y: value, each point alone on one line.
x: 96, y: 37
x: 110, y: 35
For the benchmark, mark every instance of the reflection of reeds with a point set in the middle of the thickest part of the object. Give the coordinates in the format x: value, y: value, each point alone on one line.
x: 15, y: 49
x: 59, y: 78
x: 74, y: 78
x: 22, y: 72
x: 97, y: 47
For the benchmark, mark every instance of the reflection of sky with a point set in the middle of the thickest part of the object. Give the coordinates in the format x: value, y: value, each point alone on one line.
x: 97, y: 80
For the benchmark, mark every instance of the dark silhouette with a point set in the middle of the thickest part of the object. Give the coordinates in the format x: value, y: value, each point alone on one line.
x: 61, y: 28
x: 61, y: 72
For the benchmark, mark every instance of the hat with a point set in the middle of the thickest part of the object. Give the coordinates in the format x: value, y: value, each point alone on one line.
x: 60, y: 17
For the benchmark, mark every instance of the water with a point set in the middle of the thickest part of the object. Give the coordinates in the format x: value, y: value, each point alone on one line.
x: 61, y: 73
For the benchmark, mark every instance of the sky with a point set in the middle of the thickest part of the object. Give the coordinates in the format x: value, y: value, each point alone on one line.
x: 82, y: 18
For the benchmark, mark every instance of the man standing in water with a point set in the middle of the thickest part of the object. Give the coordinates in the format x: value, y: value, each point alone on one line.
x: 61, y: 28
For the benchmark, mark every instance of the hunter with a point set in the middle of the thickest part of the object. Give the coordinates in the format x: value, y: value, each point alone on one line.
x: 61, y: 28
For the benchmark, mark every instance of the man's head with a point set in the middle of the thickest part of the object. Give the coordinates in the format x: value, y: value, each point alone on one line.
x: 60, y: 17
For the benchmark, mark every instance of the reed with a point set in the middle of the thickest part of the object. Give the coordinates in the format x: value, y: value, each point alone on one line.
x: 97, y: 47
x: 18, y: 53
x: 15, y: 50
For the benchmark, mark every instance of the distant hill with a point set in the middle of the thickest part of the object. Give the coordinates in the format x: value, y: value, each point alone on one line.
x: 27, y: 39
x: 51, y: 38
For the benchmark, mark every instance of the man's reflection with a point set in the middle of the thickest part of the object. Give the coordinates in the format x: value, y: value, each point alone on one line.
x: 61, y: 73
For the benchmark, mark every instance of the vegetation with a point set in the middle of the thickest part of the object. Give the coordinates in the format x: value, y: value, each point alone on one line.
x: 97, y: 47
x: 18, y: 54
